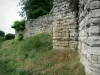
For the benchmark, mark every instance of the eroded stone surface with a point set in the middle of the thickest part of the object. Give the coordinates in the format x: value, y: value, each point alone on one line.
x: 63, y: 26
x: 89, y: 35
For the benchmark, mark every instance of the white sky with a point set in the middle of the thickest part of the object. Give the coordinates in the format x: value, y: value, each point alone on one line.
x: 8, y: 14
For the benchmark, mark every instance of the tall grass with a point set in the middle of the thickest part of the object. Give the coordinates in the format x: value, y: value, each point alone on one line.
x: 34, y: 56
x: 14, y: 54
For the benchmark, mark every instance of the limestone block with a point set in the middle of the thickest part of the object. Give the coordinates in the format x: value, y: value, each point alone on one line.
x: 73, y: 46
x: 94, y: 67
x: 79, y: 45
x: 94, y: 13
x: 59, y: 48
x: 94, y: 5
x: 93, y: 41
x: 95, y: 73
x: 72, y: 26
x: 88, y: 71
x: 99, y: 59
x: 82, y: 33
x: 84, y: 21
x: 57, y: 34
x: 61, y: 43
x: 94, y: 59
x: 72, y: 34
x: 94, y: 30
x: 81, y: 39
x: 94, y: 50
x: 61, y: 38
x: 84, y: 60
x: 94, y: 21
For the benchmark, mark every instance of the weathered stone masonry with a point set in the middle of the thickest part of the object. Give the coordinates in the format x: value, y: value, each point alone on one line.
x: 62, y: 23
x: 63, y: 26
x: 89, y: 35
x: 39, y: 25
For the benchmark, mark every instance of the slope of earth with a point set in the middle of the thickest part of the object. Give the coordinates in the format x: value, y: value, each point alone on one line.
x: 35, y: 56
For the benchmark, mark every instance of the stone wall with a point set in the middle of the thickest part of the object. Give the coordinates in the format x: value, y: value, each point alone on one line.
x: 63, y: 26
x: 89, y: 35
x: 39, y: 25
x: 62, y: 20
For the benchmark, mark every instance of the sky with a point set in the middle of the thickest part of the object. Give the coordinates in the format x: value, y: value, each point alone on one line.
x: 8, y: 14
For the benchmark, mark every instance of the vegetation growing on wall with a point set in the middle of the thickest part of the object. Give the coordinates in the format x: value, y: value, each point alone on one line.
x: 19, y: 25
x: 74, y: 5
x: 34, y: 8
x: 19, y: 37
x: 38, y: 12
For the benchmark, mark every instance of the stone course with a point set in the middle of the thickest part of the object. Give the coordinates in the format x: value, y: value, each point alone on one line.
x: 63, y: 26
x: 89, y: 35
x: 39, y: 25
x: 62, y: 23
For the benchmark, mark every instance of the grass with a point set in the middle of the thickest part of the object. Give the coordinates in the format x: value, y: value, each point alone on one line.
x: 35, y: 56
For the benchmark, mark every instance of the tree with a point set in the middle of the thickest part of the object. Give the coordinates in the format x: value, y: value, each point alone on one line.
x: 31, y: 7
x: 9, y: 36
x: 19, y: 25
x: 2, y: 34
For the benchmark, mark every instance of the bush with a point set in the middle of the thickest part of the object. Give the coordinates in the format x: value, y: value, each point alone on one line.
x: 38, y: 12
x: 24, y: 72
x: 20, y: 37
x: 19, y: 25
x: 2, y: 34
x: 42, y: 40
x: 2, y: 39
x: 9, y: 36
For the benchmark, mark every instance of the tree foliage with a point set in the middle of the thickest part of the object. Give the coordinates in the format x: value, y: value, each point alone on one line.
x: 19, y: 25
x: 35, y: 8
x: 9, y: 36
x: 2, y: 33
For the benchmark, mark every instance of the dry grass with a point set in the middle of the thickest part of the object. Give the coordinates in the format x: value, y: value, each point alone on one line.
x: 35, y: 56
x: 58, y: 62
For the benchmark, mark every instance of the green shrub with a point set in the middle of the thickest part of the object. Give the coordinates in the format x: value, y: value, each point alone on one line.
x: 19, y: 25
x: 29, y: 48
x: 38, y: 12
x: 2, y: 39
x: 2, y: 34
x: 26, y: 58
x: 9, y: 36
x: 20, y: 37
x: 42, y: 40
x: 24, y: 72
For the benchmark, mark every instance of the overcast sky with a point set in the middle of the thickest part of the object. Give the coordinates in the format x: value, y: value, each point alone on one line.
x: 8, y: 14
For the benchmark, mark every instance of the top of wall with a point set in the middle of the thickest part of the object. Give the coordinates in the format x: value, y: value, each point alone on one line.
x: 42, y: 21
